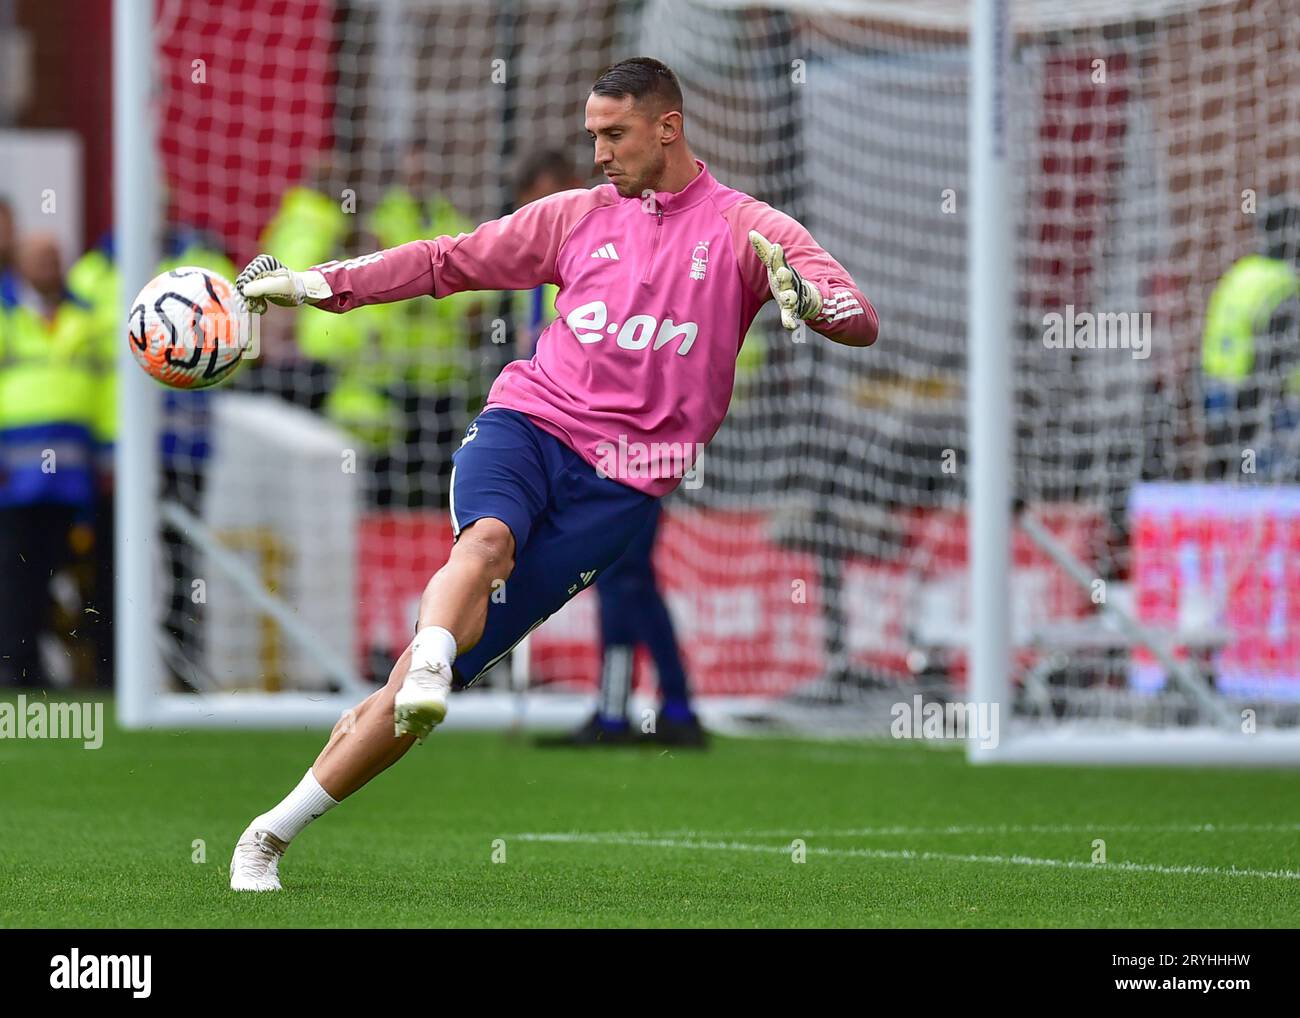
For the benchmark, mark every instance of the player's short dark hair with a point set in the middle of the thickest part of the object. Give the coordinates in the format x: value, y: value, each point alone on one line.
x: 642, y: 78
x: 546, y: 162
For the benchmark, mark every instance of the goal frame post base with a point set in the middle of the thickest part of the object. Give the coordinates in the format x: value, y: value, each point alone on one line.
x: 489, y: 710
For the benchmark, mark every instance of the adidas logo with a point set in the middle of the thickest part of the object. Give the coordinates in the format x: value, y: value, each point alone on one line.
x: 605, y: 251
x: 586, y: 576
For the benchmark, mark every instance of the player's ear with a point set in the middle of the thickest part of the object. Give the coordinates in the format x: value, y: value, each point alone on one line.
x: 670, y: 127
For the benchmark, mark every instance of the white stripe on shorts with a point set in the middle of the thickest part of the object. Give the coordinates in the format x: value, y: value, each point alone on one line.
x: 451, y: 504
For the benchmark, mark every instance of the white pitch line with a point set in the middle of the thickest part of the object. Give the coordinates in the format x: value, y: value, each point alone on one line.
x: 958, y: 829
x: 1090, y: 828
x: 908, y: 855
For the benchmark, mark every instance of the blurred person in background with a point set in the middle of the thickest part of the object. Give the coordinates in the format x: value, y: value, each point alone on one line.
x: 543, y: 173
x: 51, y: 394
x: 1250, y: 361
x: 352, y: 382
x: 427, y: 346
x: 400, y: 377
x: 632, y: 609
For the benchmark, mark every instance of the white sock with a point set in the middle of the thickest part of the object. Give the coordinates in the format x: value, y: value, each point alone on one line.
x: 433, y: 645
x: 299, y: 808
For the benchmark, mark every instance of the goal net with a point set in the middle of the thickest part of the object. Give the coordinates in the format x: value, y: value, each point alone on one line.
x: 817, y: 567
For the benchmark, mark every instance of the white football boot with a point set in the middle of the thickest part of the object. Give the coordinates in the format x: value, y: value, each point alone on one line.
x: 421, y: 703
x: 256, y: 862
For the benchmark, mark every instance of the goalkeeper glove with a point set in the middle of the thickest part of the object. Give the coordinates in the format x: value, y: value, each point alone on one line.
x: 797, y: 298
x: 265, y: 278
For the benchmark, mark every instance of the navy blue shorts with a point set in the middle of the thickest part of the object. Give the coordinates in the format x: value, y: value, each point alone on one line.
x: 569, y: 524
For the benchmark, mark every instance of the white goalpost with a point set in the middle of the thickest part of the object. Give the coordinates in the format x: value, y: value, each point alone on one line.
x: 990, y: 359
x: 138, y: 666
x: 1036, y: 490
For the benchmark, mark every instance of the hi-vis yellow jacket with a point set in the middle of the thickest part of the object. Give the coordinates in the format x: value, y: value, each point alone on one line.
x: 1240, y: 307
x: 50, y: 386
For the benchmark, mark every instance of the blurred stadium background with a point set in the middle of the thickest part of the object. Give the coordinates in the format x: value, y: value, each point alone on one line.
x: 818, y: 571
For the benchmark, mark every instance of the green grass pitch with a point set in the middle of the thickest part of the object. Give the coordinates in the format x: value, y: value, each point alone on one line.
x: 896, y: 834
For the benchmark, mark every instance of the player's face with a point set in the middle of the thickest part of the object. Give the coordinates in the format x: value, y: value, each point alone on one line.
x: 39, y: 263
x: 629, y: 146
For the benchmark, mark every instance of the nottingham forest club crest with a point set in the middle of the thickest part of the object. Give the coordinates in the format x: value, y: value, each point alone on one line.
x: 700, y: 260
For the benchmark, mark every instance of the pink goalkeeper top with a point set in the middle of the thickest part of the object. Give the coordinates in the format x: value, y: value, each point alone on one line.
x: 655, y: 297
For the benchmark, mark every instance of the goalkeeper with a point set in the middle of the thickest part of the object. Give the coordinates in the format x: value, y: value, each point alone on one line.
x: 632, y: 609
x: 660, y: 273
